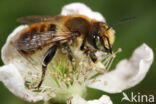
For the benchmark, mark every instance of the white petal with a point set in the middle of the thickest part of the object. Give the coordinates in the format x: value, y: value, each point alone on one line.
x: 8, y: 50
x: 128, y: 73
x: 103, y: 100
x: 80, y: 8
x: 12, y: 79
x: 78, y: 100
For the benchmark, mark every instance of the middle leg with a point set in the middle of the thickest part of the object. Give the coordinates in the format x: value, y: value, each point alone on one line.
x: 70, y: 55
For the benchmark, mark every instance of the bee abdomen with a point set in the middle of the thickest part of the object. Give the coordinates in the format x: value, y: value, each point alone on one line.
x: 35, y: 37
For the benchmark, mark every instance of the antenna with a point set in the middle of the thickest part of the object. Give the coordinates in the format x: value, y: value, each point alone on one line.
x: 121, y: 21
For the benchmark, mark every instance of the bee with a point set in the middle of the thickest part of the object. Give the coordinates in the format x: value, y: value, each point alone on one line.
x: 58, y: 31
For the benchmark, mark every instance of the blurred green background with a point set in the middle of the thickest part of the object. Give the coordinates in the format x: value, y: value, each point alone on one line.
x: 128, y: 35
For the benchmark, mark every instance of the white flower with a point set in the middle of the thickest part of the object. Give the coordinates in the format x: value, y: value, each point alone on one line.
x: 20, y: 75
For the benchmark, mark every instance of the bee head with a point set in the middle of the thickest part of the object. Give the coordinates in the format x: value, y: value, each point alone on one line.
x: 101, y: 37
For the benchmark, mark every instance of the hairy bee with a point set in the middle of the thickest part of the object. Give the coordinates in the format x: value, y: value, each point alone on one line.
x: 58, y: 31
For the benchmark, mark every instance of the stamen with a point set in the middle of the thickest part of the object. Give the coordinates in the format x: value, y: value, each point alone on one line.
x: 60, y: 77
x: 110, y: 58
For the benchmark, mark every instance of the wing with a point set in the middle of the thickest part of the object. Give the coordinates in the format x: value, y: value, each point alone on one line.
x: 30, y: 43
x: 35, y: 19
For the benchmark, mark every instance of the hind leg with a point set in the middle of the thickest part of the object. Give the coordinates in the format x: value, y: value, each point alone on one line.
x: 48, y: 57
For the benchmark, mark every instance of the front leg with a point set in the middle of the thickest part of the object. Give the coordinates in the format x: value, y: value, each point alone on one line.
x: 48, y: 57
x: 91, y: 53
x: 88, y: 50
x: 100, y: 68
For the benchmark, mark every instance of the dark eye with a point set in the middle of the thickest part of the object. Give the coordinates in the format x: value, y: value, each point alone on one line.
x: 92, y: 39
x: 92, y: 36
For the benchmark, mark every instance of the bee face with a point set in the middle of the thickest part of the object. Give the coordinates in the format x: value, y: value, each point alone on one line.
x: 101, y: 37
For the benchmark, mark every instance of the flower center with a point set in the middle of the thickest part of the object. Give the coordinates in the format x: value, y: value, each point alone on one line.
x: 62, y: 82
